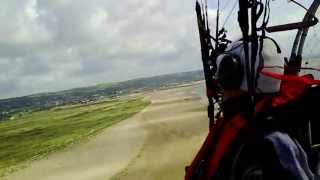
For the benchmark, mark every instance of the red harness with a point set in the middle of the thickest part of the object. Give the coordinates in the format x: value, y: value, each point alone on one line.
x: 292, y: 87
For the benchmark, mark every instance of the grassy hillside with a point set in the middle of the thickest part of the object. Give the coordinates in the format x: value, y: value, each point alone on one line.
x: 88, y: 94
x: 35, y: 134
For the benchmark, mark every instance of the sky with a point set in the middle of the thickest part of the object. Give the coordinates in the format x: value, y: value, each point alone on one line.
x: 51, y: 45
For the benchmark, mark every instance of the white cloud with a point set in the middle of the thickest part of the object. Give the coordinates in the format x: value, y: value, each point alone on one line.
x: 31, y: 9
x: 49, y: 45
x: 52, y: 45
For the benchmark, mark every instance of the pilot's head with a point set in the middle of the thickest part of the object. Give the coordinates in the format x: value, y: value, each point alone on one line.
x: 231, y: 70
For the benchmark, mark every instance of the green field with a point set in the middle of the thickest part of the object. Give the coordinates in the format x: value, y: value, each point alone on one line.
x: 33, y: 135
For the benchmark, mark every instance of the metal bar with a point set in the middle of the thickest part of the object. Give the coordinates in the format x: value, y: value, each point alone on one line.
x: 291, y: 26
x: 296, y: 55
x: 206, y: 48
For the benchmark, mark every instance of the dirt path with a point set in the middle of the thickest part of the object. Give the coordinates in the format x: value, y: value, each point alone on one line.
x: 155, y: 144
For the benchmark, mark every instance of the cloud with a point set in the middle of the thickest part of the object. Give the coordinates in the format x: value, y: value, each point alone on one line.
x: 50, y: 45
x: 53, y: 45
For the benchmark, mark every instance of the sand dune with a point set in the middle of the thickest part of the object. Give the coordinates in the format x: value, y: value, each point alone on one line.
x: 155, y: 144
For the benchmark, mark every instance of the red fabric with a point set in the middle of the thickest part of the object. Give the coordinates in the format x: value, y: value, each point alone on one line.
x: 229, y: 133
x: 219, y: 122
x: 227, y: 137
x: 210, y: 93
x: 190, y: 170
x: 292, y: 87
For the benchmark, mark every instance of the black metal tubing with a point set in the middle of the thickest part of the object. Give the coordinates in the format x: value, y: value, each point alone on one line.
x: 292, y: 26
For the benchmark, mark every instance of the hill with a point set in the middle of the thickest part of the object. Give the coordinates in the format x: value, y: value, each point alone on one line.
x: 93, y: 93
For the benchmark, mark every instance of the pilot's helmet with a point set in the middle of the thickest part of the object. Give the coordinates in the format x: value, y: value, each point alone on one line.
x: 231, y: 69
